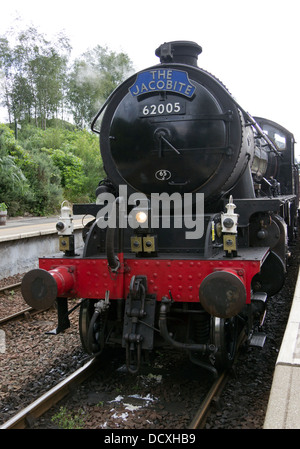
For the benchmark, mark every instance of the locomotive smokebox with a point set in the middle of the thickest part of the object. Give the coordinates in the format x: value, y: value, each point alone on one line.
x: 222, y: 294
x: 173, y: 128
x: 40, y: 288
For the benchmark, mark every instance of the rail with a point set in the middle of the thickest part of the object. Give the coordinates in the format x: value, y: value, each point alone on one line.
x: 215, y: 390
x: 18, y: 314
x: 23, y: 418
x: 9, y: 287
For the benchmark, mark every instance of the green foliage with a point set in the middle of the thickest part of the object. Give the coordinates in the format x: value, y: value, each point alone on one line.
x: 14, y: 187
x: 39, y: 83
x: 71, y: 144
x: 46, y: 167
x: 29, y: 181
x: 66, y: 420
x: 71, y: 170
x: 92, y: 79
x: 52, y: 160
x: 45, y: 183
x: 86, y: 146
x: 3, y: 207
x: 8, y: 143
x: 33, y: 72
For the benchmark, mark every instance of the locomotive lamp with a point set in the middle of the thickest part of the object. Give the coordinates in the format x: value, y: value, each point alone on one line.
x: 65, y: 229
x: 141, y: 217
x: 229, y: 228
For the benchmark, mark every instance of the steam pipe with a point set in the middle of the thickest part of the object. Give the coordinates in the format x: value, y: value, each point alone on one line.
x: 186, y: 346
x: 165, y: 333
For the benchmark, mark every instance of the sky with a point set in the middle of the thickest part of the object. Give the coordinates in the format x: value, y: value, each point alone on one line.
x: 252, y: 47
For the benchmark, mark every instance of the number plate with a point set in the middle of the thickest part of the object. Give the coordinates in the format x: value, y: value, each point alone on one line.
x: 163, y: 108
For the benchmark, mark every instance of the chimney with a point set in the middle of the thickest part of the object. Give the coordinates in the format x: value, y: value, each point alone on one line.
x: 181, y: 52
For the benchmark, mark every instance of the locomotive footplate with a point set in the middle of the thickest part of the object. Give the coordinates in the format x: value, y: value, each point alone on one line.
x: 138, y: 327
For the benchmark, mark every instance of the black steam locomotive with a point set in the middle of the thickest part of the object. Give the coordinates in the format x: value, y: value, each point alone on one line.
x: 191, y: 227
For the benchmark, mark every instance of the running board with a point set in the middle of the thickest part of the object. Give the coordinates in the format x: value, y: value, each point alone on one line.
x: 259, y: 297
x: 258, y: 339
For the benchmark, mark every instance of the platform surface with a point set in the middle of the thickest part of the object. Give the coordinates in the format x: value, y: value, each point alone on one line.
x: 284, y: 404
x: 19, y: 228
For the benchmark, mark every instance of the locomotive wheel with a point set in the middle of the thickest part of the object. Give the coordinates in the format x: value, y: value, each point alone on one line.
x: 85, y: 315
x: 224, y: 333
x: 91, y: 335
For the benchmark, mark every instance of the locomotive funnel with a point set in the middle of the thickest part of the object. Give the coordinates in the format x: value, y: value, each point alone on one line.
x: 222, y: 294
x: 182, y: 52
x: 40, y: 288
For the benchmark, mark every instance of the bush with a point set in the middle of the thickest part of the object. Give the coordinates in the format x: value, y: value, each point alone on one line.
x: 86, y: 146
x: 14, y: 187
x: 45, y: 182
x: 45, y: 167
x: 71, y: 171
x: 73, y: 142
x: 29, y: 182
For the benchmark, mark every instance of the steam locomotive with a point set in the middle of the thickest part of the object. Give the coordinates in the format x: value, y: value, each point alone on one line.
x: 191, y: 228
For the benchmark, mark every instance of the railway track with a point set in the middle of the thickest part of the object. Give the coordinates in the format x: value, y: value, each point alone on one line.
x: 22, y: 313
x: 215, y: 391
x: 10, y: 287
x: 26, y: 417
x: 23, y: 419
x: 199, y: 419
x: 16, y: 314
x: 29, y: 414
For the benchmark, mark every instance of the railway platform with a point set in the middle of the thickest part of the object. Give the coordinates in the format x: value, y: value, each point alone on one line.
x: 24, y: 239
x: 283, y: 410
x: 22, y: 227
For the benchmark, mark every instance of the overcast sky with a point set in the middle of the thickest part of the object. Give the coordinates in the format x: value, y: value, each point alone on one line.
x: 251, y: 46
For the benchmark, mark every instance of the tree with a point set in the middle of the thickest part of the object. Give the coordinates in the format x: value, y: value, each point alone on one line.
x: 33, y: 76
x: 92, y: 79
x: 5, y: 72
x: 47, y: 73
x: 37, y: 85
